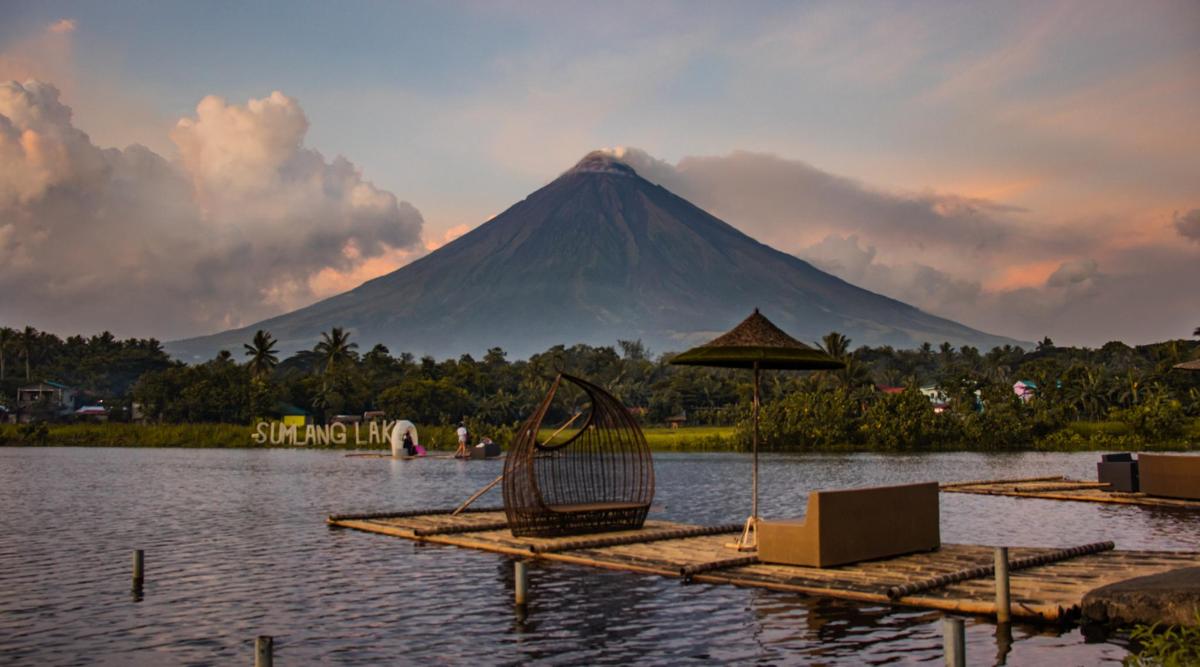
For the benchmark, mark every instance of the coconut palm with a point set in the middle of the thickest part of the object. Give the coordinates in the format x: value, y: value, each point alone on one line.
x: 835, y: 345
x: 262, y: 353
x: 7, y: 336
x: 26, y: 345
x: 335, y: 348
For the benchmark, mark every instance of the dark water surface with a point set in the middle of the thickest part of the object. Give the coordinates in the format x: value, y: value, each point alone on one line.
x: 236, y: 546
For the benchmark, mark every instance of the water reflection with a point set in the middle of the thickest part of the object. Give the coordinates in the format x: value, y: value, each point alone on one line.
x: 236, y: 547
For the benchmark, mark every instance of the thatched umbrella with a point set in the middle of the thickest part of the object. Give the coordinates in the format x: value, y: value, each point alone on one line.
x: 758, y: 344
x: 1193, y: 365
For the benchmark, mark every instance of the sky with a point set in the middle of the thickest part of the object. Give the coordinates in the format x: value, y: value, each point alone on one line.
x: 1029, y: 169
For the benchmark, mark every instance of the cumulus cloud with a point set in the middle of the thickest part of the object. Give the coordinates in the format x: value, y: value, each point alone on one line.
x: 233, y: 230
x: 992, y: 266
x: 1188, y: 224
x: 792, y: 205
x: 911, y: 282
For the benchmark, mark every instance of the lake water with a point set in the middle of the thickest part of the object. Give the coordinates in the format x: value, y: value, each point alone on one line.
x: 236, y: 546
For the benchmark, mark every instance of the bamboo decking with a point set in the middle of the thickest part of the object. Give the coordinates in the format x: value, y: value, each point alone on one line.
x: 1046, y: 593
x: 1061, y: 488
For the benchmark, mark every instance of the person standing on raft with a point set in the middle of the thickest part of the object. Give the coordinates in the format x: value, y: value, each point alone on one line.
x: 403, y: 434
x: 463, y: 437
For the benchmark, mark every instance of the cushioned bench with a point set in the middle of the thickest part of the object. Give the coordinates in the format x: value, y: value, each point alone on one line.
x: 852, y: 525
x: 1169, y: 476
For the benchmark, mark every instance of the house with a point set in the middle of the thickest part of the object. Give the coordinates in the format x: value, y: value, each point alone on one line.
x: 936, y: 396
x: 889, y: 390
x: 1025, y: 389
x: 291, y: 415
x: 677, y: 421
x: 48, y: 399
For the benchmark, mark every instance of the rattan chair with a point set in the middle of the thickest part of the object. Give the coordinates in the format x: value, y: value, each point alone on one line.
x: 599, y: 479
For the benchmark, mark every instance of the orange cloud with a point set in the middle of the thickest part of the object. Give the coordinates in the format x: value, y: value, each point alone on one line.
x: 1032, y: 274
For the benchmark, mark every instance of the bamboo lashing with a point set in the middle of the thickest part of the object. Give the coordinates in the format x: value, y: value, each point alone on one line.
x: 897, y: 592
x: 619, y: 540
x: 989, y: 482
x: 368, y: 516
x: 687, y: 571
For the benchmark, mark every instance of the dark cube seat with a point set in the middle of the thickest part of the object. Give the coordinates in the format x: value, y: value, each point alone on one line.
x: 1119, y: 471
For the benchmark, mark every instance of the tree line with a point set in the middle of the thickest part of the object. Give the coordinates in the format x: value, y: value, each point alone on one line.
x: 1115, y: 384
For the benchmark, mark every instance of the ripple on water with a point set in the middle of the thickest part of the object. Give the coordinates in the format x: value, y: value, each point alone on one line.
x: 236, y: 547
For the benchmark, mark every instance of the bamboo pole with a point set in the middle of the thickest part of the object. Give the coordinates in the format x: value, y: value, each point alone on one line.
x: 1003, y: 607
x: 138, y: 569
x: 520, y: 581
x: 954, y: 642
x: 264, y: 651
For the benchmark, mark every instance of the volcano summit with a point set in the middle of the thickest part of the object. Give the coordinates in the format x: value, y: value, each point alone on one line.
x: 599, y: 254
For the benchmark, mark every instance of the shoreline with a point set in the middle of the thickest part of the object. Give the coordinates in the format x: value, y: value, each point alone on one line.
x: 694, y: 439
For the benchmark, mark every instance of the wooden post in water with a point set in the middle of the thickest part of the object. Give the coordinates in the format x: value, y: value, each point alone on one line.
x: 954, y: 642
x: 1003, y: 606
x: 264, y: 651
x: 138, y: 562
x: 520, y: 582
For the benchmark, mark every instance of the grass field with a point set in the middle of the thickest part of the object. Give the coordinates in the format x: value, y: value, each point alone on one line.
x: 665, y: 439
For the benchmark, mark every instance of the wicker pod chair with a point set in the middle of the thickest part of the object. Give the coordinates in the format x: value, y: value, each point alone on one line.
x: 598, y: 480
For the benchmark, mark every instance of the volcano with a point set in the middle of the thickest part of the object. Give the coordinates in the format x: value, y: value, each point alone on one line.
x: 598, y: 255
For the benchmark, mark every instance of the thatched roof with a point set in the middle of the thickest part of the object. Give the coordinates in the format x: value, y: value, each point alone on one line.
x: 757, y: 340
x: 1193, y: 365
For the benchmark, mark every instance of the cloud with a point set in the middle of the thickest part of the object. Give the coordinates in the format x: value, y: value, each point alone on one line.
x: 234, y: 230
x: 62, y: 26
x: 1075, y: 272
x: 911, y: 282
x: 1188, y: 224
x: 792, y: 205
x: 993, y: 266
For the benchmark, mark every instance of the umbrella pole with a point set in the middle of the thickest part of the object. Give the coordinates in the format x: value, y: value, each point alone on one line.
x: 749, y: 539
x: 755, y: 481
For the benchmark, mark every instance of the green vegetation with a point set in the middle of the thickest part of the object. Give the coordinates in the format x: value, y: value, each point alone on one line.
x: 684, y: 439
x: 1113, y: 398
x: 1176, y: 646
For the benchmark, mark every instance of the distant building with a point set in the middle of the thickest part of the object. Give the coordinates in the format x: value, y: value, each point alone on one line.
x: 291, y: 415
x: 677, y: 421
x: 53, y: 399
x: 1025, y: 389
x: 937, y: 397
x: 889, y: 390
x: 95, y: 413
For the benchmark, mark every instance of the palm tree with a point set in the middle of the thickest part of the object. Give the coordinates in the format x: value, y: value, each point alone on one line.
x: 262, y: 353
x: 1196, y: 333
x: 7, y: 336
x: 835, y: 345
x: 335, y: 348
x: 26, y: 341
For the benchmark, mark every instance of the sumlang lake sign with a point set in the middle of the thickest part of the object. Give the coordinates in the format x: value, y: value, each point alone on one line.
x: 293, y: 435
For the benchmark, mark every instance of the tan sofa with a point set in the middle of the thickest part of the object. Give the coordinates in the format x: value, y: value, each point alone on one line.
x: 1169, y: 476
x: 853, y: 525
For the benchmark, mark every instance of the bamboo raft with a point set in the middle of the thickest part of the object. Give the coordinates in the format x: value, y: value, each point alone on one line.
x: 1047, y: 585
x: 1062, y: 488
